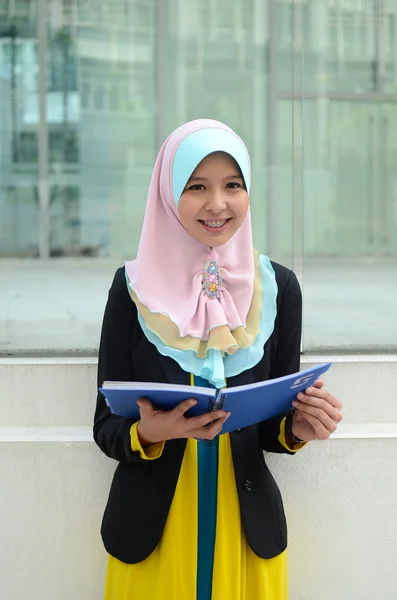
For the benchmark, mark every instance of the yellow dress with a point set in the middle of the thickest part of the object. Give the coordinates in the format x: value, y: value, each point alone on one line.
x: 169, y: 573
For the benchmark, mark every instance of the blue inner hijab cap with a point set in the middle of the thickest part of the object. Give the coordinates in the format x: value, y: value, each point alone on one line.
x: 197, y: 146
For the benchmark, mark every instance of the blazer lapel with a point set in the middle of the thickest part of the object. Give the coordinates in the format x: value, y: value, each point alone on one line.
x: 243, y: 378
x: 173, y: 372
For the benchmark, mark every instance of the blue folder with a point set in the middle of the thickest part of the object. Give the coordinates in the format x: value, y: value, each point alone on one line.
x: 248, y: 404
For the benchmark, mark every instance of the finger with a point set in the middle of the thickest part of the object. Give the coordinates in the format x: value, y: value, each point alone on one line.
x: 318, y: 384
x: 184, y: 406
x: 203, y: 420
x: 320, y: 403
x: 321, y: 393
x: 210, y: 431
x: 206, y: 433
x: 145, y: 406
x: 320, y: 431
x: 318, y: 413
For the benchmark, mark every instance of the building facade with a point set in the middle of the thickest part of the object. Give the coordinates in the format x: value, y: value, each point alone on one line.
x: 91, y: 89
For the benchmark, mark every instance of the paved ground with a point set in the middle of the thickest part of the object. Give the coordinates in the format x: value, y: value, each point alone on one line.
x: 57, y: 306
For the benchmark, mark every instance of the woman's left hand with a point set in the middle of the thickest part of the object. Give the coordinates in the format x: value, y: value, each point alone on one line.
x: 317, y: 413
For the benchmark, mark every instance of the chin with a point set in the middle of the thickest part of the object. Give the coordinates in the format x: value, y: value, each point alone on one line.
x: 211, y: 240
x: 216, y: 241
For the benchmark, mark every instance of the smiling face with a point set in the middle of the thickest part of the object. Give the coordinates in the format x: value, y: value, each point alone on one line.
x: 214, y: 203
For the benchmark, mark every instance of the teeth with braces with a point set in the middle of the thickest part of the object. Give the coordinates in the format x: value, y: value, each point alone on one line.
x: 215, y: 224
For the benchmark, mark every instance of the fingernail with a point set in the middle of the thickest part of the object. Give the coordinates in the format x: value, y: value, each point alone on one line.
x: 300, y: 395
x: 192, y: 402
x: 295, y: 403
x: 309, y: 390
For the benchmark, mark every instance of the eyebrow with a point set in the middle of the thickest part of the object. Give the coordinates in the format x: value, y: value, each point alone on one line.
x: 205, y: 179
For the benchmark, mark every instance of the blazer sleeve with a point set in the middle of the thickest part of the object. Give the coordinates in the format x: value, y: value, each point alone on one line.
x: 111, y: 432
x: 287, y: 358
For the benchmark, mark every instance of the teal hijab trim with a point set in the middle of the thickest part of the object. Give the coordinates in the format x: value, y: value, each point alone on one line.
x: 215, y: 368
x: 197, y: 146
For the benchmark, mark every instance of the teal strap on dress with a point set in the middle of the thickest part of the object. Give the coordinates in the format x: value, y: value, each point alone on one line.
x: 207, y: 454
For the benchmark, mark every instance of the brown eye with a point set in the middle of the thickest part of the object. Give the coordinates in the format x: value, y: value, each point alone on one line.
x: 196, y: 187
x: 234, y: 185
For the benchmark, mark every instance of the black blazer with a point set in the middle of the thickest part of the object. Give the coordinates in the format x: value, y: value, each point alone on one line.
x: 141, y: 492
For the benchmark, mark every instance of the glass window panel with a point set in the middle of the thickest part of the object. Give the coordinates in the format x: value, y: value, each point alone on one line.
x: 350, y: 191
x: 19, y: 207
x: 310, y: 85
x: 389, y: 36
x: 220, y: 62
x: 339, y: 45
x: 120, y: 76
x: 102, y: 128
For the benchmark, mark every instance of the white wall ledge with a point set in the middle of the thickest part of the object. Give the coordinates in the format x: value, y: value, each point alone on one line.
x: 349, y: 358
x: 50, y: 392
x: 305, y: 358
x: 48, y: 360
x: 84, y: 434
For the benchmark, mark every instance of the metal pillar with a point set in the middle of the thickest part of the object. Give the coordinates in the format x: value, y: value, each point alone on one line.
x: 297, y: 142
x: 161, y: 74
x: 42, y: 137
x: 272, y: 124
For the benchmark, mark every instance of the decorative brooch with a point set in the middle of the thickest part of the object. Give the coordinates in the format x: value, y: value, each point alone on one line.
x: 212, y: 279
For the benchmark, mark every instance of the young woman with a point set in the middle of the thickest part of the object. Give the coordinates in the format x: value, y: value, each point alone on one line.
x: 193, y: 515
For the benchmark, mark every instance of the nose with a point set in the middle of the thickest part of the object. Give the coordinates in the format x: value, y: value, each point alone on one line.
x: 216, y: 202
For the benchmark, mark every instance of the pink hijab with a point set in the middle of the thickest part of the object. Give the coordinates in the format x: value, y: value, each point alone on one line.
x: 167, y: 273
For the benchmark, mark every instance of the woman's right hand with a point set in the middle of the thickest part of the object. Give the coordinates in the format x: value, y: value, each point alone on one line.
x: 161, y: 425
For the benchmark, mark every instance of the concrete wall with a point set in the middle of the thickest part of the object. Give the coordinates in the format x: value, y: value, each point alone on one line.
x: 340, y: 495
